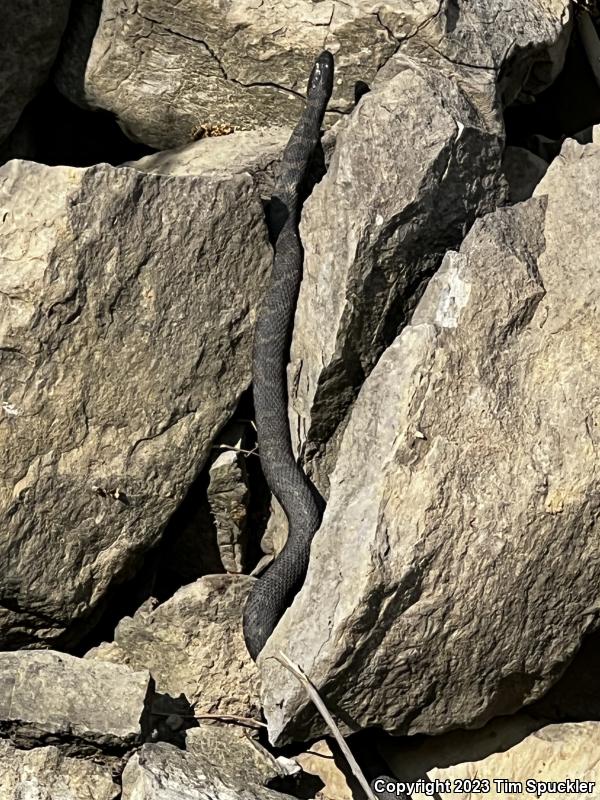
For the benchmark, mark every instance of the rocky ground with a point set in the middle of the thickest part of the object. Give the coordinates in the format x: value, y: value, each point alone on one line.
x: 444, y: 397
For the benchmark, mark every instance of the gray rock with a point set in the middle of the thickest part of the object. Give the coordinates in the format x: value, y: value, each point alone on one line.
x: 192, y: 644
x: 47, y: 774
x: 224, y: 769
x: 125, y: 300
x: 522, y: 44
x: 454, y: 572
x: 412, y: 167
x: 81, y: 705
x: 516, y: 749
x: 523, y: 171
x: 29, y: 40
x: 165, y: 70
x: 228, y: 497
x: 257, y: 152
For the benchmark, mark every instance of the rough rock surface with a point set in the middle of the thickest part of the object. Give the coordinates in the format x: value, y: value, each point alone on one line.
x: 29, y: 39
x: 81, y: 705
x: 125, y: 300
x: 162, y: 772
x: 47, y: 774
x: 412, y: 167
x: 514, y: 749
x: 166, y: 68
x: 257, y: 152
x: 193, y: 644
x: 228, y: 498
x: 452, y: 577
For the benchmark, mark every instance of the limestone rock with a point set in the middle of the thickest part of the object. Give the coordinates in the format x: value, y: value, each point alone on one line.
x: 192, y: 644
x: 125, y: 300
x: 453, y: 574
x: 163, y: 772
x: 516, y: 749
x: 412, y: 167
x: 82, y: 705
x: 321, y: 761
x: 166, y: 70
x: 29, y: 40
x: 257, y: 152
x: 46, y: 774
x: 228, y: 498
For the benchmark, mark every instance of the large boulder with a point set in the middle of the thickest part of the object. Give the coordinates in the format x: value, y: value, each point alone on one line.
x: 87, y: 707
x: 455, y: 572
x: 48, y: 774
x: 126, y: 299
x: 169, y: 70
x: 192, y: 644
x: 216, y: 765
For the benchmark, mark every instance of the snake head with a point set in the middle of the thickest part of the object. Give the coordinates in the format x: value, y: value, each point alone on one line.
x: 321, y: 77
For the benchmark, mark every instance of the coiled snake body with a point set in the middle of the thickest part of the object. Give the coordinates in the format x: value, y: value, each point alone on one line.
x: 275, y: 589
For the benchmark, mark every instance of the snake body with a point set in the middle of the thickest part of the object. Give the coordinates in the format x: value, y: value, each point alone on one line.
x: 274, y: 590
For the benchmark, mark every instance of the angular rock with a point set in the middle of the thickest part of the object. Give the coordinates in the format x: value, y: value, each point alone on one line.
x: 163, y: 772
x: 81, y: 705
x: 257, y: 152
x: 524, y: 44
x: 321, y: 761
x: 48, y: 774
x: 515, y: 749
x: 125, y: 299
x: 29, y: 40
x: 453, y: 574
x: 166, y: 71
x: 193, y: 645
x: 412, y: 167
x: 228, y: 498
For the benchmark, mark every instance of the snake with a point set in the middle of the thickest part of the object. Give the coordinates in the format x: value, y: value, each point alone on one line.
x: 274, y: 590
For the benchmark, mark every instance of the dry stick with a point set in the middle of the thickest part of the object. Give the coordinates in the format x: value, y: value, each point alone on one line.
x: 322, y: 709
x: 251, y: 723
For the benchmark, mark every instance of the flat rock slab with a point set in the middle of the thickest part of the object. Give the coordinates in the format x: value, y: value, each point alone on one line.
x: 83, y: 705
x: 29, y: 40
x: 163, y: 772
x: 126, y: 300
x: 47, y: 774
x: 192, y: 644
x: 456, y: 570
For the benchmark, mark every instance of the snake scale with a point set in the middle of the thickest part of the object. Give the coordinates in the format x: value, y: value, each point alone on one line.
x: 275, y: 589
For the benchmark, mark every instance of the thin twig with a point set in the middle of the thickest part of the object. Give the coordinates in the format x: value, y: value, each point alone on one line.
x: 322, y: 709
x: 251, y: 723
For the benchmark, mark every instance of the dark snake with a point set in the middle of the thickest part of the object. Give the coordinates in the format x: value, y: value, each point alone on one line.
x: 275, y: 589
x: 273, y: 592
